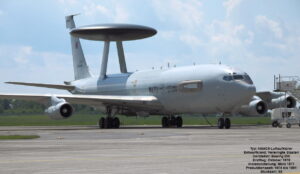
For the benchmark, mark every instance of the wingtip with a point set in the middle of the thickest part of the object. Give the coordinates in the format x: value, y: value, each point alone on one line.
x: 13, y: 83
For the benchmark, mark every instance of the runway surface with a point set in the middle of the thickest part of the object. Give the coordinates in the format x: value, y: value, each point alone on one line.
x: 140, y: 149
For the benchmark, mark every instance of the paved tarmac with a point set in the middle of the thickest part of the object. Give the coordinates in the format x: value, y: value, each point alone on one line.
x: 140, y: 149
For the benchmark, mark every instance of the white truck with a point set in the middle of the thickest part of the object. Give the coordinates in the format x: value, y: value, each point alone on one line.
x: 285, y: 116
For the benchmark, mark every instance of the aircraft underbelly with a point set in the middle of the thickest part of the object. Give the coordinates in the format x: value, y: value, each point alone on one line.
x: 188, y: 103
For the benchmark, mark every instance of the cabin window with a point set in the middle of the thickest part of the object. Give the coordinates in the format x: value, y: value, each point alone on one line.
x: 190, y: 86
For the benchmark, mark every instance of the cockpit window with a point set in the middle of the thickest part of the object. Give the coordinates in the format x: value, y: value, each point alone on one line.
x: 235, y: 76
x: 227, y: 78
x: 248, y: 79
x: 238, y: 77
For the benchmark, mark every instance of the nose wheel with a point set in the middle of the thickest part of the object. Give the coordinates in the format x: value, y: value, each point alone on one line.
x: 224, y: 123
x: 171, y: 121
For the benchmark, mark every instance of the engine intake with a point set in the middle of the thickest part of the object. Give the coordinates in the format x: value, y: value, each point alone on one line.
x: 254, y: 108
x: 283, y: 102
x: 66, y: 110
x: 261, y: 107
x: 291, y: 102
x: 60, y: 109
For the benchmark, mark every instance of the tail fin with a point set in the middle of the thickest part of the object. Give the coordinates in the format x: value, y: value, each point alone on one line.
x: 81, y: 70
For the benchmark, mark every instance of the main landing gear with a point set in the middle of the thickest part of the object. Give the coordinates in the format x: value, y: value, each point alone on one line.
x: 224, y: 123
x: 110, y: 121
x: 171, y: 121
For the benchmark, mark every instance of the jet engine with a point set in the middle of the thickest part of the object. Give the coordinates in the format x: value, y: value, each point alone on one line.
x: 283, y: 101
x: 254, y: 108
x: 60, y: 109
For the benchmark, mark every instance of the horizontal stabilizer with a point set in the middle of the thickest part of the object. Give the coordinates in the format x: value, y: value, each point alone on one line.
x: 53, y: 86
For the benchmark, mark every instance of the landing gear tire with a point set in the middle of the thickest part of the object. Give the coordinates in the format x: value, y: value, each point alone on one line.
x: 108, y: 122
x: 116, y: 122
x: 274, y: 124
x: 102, y: 123
x: 178, y: 121
x: 288, y: 125
x: 165, y: 122
x: 171, y: 121
x: 221, y: 123
x: 227, y: 123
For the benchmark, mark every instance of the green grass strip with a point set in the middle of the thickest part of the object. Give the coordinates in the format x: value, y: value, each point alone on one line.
x: 82, y: 119
x: 18, y: 137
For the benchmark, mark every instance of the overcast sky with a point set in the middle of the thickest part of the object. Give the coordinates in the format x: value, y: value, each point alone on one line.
x: 259, y: 37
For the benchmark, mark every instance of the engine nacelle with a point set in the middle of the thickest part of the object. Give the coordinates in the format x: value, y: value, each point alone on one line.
x: 254, y: 108
x: 283, y: 102
x: 59, y: 110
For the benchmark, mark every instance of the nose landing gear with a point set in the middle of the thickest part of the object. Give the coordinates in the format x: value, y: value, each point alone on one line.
x: 224, y: 123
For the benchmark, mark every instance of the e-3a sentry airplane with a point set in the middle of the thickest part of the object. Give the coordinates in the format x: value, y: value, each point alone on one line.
x: 199, y: 89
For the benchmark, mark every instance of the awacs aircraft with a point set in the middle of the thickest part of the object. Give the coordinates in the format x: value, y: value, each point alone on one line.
x: 201, y: 89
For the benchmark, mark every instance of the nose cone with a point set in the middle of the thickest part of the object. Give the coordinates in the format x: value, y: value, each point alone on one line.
x: 251, y: 89
x: 247, y: 91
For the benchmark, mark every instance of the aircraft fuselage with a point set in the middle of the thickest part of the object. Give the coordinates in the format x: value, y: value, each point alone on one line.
x: 193, y: 89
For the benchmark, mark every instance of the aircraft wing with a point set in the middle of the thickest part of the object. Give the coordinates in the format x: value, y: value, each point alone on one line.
x: 268, y: 96
x: 265, y: 95
x: 144, y: 102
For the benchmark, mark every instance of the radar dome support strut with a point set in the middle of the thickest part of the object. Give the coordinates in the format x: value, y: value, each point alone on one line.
x: 113, y: 32
x: 121, y: 55
x: 104, y: 60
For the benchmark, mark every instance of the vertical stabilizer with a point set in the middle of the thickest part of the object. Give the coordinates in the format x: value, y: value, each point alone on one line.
x: 81, y: 70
